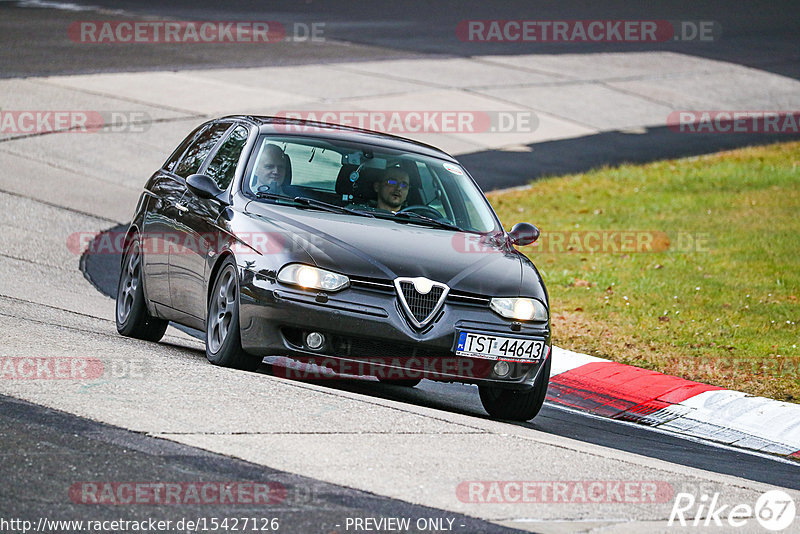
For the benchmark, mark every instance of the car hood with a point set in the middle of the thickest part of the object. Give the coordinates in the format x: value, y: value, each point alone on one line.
x: 376, y: 248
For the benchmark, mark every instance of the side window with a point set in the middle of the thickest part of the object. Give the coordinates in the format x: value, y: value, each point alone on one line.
x: 223, y: 166
x: 197, y: 152
x: 176, y: 156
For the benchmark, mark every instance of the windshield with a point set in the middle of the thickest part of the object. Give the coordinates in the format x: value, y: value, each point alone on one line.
x: 367, y: 180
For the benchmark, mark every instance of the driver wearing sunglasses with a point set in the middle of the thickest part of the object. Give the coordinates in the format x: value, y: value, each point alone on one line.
x: 392, y: 190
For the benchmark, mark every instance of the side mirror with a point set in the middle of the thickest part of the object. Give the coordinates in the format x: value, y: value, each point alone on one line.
x: 523, y: 234
x: 204, y: 187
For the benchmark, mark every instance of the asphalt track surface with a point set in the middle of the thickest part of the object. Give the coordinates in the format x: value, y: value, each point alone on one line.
x: 102, y: 271
x: 763, y: 35
x: 55, y: 449
x: 757, y: 34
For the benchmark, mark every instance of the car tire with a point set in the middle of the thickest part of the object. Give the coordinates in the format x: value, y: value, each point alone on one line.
x: 132, y: 317
x: 223, y: 338
x: 513, y: 404
x: 408, y: 382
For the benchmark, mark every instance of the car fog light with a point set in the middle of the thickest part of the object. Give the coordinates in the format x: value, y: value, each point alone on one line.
x: 315, y: 340
x: 501, y: 368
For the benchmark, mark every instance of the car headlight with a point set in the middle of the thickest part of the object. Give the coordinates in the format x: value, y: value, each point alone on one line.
x: 519, y: 308
x: 310, y: 277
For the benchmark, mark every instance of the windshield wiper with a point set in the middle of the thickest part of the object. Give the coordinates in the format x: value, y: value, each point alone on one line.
x: 305, y: 201
x: 327, y: 206
x: 416, y: 217
x: 272, y: 196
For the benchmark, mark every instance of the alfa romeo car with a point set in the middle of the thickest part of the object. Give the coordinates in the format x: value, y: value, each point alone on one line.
x: 360, y: 252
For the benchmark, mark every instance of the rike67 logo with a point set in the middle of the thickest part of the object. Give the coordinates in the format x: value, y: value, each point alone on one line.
x: 775, y: 511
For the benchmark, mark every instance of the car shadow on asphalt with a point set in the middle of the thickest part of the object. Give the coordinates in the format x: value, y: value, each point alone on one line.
x: 451, y: 397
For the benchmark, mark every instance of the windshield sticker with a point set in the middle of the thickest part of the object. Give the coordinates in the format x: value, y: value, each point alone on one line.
x: 454, y: 169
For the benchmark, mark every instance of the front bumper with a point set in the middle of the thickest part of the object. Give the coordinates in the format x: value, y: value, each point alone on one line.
x: 366, y: 332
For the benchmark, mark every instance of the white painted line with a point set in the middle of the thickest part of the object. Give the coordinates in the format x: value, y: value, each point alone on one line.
x: 661, y: 430
x: 566, y: 360
x: 767, y: 419
x: 732, y: 418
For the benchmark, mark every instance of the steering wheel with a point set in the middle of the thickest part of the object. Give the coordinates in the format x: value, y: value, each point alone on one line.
x: 422, y: 209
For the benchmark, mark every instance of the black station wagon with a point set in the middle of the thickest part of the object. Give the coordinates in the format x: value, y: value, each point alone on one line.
x: 361, y: 252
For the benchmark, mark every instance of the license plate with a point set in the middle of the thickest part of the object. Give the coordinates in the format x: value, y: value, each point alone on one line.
x: 499, y: 347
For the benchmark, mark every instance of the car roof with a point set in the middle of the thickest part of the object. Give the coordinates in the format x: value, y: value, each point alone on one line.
x: 303, y: 128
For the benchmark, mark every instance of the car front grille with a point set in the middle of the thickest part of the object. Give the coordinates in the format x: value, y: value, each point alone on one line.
x: 429, y: 361
x: 386, y: 286
x: 414, y: 361
x: 420, y: 306
x: 420, y: 299
x: 424, y: 361
x: 356, y: 347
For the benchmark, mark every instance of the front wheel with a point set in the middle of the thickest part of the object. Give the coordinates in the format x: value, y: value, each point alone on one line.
x: 132, y: 317
x: 513, y: 404
x: 223, y: 338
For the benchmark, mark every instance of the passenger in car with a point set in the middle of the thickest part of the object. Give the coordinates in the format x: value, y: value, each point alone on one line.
x: 270, y: 171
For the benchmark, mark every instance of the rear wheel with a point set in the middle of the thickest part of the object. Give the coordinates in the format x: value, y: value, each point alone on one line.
x: 132, y: 317
x: 513, y: 404
x: 223, y: 338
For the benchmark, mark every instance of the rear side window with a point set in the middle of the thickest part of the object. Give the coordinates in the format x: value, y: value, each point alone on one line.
x: 173, y: 160
x: 197, y: 152
x: 223, y: 167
